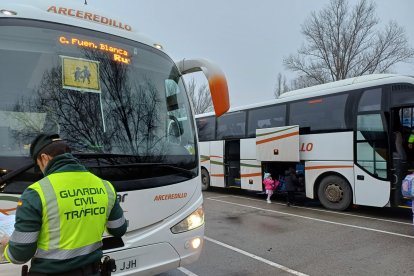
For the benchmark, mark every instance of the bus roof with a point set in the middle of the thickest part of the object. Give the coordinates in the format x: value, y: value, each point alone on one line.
x: 331, y: 87
x: 328, y: 88
x: 74, y: 13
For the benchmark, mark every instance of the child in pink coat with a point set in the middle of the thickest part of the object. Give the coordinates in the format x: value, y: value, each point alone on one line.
x: 270, y: 186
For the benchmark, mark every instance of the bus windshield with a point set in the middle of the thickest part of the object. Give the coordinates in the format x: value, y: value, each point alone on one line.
x: 115, y: 101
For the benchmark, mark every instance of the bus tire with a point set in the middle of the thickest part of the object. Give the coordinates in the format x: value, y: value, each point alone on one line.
x: 335, y: 193
x: 205, y: 180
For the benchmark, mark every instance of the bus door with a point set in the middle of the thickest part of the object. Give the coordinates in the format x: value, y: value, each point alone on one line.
x: 232, y: 163
x: 217, y: 164
x: 372, y: 185
x: 401, y: 154
x: 278, y: 144
x: 407, y: 127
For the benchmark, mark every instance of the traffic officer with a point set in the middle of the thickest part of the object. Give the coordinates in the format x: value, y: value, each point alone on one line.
x: 61, y: 218
x: 411, y: 140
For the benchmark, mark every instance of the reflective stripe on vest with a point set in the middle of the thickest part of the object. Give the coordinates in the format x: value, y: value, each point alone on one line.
x: 52, y: 238
x: 111, y: 198
x: 10, y: 257
x: 24, y: 237
x: 115, y: 223
x: 63, y: 254
x: 52, y: 216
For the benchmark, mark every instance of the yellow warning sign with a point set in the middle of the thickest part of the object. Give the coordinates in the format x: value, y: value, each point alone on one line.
x: 80, y: 74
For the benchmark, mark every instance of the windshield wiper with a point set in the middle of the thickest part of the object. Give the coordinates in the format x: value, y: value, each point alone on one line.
x: 15, y: 173
x: 81, y: 155
x: 26, y: 167
x: 22, y: 169
x: 188, y: 173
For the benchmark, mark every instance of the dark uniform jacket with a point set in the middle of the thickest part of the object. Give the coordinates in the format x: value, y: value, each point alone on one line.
x: 292, y: 182
x: 29, y: 220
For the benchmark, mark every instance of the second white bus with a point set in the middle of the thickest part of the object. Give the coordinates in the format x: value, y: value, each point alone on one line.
x: 341, y: 133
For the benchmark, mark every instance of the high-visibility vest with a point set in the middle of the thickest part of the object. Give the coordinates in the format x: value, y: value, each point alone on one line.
x: 75, y: 209
x: 411, y: 139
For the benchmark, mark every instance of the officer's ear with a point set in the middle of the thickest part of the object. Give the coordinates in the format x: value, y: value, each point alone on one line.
x: 42, y: 160
x: 45, y: 157
x: 38, y: 164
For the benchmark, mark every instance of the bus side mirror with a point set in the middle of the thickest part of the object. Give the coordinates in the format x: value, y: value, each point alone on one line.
x: 216, y: 81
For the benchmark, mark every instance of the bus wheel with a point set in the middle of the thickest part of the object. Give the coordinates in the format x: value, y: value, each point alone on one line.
x: 205, y: 180
x: 334, y: 193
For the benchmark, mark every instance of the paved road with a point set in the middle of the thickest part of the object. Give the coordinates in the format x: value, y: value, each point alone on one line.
x: 247, y: 236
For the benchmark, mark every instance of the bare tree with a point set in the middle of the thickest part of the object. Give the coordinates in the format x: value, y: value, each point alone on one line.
x: 127, y: 108
x: 201, y: 99
x: 302, y: 82
x: 281, y: 85
x: 343, y: 42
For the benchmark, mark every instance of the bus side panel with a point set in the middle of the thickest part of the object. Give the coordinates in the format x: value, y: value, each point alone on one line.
x: 204, y: 149
x: 327, y: 146
x: 251, y: 175
x: 314, y: 169
x: 250, y: 168
x: 217, y: 164
x: 370, y: 191
x: 8, y: 204
x: 248, y: 149
x: 278, y: 144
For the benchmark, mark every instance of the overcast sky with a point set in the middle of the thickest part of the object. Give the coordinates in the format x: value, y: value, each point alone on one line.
x: 247, y: 38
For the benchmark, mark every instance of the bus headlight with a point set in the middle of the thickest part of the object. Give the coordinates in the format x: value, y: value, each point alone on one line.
x: 196, y: 219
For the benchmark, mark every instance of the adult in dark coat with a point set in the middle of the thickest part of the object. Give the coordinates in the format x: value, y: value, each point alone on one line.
x: 292, y: 184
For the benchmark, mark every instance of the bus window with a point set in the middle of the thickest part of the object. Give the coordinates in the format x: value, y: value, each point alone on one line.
x: 402, y: 94
x: 265, y: 117
x: 407, y: 115
x: 177, y: 113
x: 371, y: 147
x: 370, y: 100
x: 206, y: 128
x: 326, y: 113
x: 231, y: 125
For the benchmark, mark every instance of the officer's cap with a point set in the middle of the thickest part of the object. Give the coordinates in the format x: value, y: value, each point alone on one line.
x: 40, y: 142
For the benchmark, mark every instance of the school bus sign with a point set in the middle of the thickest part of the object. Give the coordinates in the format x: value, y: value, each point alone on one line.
x: 80, y: 74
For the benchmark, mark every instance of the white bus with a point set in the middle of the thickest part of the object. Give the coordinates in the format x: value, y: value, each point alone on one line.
x: 341, y: 134
x: 120, y: 102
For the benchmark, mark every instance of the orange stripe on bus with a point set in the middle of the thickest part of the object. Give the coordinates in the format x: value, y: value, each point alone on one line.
x: 216, y: 156
x: 328, y: 167
x: 4, y: 211
x: 315, y: 101
x: 251, y: 174
x: 277, y: 138
x: 204, y: 160
x: 217, y: 175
